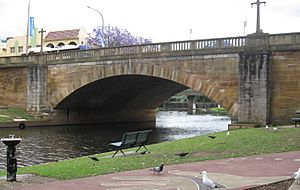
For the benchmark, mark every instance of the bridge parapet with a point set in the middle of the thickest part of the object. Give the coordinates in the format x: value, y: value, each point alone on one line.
x: 285, y: 41
x: 208, y: 46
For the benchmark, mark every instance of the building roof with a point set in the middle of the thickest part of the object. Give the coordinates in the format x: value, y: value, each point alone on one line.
x: 62, y: 35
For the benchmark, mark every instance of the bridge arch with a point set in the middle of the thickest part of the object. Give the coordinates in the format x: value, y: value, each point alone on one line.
x: 159, y: 78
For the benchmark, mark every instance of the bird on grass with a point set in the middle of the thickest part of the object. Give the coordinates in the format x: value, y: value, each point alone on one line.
x: 228, y: 133
x: 208, y: 182
x: 296, y: 176
x: 93, y: 158
x: 144, y: 152
x: 158, y: 169
x: 182, y: 154
x: 211, y: 136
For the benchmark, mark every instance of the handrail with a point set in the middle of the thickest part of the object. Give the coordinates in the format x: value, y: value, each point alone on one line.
x: 220, y: 44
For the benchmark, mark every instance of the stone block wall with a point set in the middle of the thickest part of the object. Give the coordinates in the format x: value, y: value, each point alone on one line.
x: 254, y: 97
x: 285, y: 98
x: 13, y: 86
x: 37, y: 88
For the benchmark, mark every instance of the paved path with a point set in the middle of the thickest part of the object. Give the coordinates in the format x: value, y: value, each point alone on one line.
x: 233, y: 173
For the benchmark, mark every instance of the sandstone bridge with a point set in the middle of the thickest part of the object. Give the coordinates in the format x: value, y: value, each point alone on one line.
x: 255, y: 77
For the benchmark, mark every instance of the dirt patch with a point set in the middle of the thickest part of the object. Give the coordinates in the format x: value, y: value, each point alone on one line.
x: 24, y: 180
x: 280, y: 185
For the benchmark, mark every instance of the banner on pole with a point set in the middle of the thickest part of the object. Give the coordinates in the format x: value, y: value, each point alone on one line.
x: 31, y: 26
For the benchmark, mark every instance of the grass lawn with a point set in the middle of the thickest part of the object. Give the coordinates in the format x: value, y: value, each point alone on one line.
x: 239, y: 143
x: 8, y: 114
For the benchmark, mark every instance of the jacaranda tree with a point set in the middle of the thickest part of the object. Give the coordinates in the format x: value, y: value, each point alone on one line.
x: 113, y: 36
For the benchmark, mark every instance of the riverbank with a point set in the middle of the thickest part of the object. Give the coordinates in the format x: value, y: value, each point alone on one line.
x: 8, y: 114
x: 239, y: 143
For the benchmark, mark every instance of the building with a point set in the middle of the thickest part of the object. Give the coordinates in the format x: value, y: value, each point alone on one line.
x: 66, y: 37
x: 3, y: 48
x: 15, y: 46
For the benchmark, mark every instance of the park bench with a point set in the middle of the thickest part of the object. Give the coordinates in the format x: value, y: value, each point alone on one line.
x: 131, y: 139
x: 296, y: 119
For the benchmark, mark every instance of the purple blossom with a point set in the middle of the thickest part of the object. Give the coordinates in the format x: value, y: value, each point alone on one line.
x: 113, y: 36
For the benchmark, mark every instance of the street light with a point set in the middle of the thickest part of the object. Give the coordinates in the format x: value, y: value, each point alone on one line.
x: 27, y: 33
x: 258, y: 3
x: 102, y: 21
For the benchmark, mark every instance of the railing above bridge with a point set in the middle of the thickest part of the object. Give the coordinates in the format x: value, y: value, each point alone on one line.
x: 208, y: 46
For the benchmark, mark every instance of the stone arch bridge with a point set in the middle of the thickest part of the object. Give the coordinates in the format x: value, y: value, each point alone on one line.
x: 256, y: 78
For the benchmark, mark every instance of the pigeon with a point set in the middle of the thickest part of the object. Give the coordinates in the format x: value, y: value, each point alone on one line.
x: 208, y: 182
x: 158, y: 169
x: 211, y: 136
x: 93, y: 158
x: 182, y: 154
x: 296, y: 176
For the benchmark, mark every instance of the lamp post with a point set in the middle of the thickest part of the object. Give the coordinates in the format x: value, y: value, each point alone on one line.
x: 258, y: 3
x: 27, y: 33
x: 102, y: 21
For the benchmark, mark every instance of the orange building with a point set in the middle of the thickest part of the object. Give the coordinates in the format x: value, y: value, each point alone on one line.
x: 15, y: 46
x: 66, y: 37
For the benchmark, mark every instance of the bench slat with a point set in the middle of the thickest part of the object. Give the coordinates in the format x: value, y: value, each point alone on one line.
x: 129, y: 139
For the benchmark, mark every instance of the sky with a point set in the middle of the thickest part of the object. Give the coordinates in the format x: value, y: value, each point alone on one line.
x: 159, y: 20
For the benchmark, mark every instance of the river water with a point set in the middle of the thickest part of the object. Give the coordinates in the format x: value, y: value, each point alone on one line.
x: 46, y: 144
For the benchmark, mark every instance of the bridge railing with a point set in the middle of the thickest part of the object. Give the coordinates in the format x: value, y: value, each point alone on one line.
x: 192, y: 45
x: 284, y: 39
x: 219, y: 44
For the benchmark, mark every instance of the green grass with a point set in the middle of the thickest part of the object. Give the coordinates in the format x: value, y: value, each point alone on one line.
x: 8, y: 114
x: 239, y: 143
x: 219, y: 111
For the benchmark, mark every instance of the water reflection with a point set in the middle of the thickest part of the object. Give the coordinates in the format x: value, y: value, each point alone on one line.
x: 172, y: 125
x: 45, y: 144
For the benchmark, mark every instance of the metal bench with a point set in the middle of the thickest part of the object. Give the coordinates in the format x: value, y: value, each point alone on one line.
x: 296, y: 120
x: 142, y: 139
x: 131, y: 139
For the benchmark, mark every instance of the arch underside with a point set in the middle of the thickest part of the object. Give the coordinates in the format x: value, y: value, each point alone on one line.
x: 122, y: 92
x: 125, y: 88
x: 137, y: 92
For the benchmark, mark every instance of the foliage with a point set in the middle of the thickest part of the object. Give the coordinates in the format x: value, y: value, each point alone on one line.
x: 183, y: 98
x: 218, y: 111
x: 239, y: 143
x: 113, y: 36
x: 202, y: 98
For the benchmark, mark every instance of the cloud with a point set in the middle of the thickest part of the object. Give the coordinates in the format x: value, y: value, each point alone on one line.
x: 161, y: 20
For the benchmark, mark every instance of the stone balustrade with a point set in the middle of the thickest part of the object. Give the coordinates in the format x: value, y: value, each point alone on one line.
x: 207, y: 46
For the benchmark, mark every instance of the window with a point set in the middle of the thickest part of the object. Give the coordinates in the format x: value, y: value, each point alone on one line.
x: 50, y: 45
x: 12, y: 50
x: 20, y: 49
x: 72, y: 43
x: 61, y: 44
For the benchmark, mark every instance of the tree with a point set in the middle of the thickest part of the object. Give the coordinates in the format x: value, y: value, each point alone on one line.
x: 113, y: 36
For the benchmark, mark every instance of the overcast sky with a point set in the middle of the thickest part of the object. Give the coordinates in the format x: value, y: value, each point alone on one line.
x: 160, y: 20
